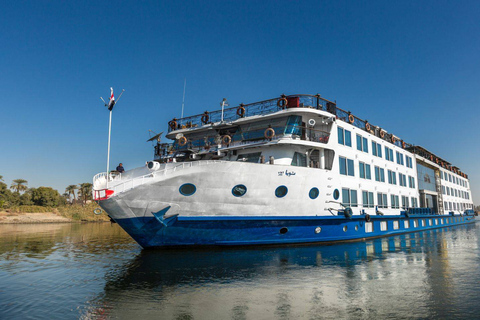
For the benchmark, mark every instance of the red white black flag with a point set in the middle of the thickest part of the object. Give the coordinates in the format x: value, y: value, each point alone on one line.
x: 111, y: 103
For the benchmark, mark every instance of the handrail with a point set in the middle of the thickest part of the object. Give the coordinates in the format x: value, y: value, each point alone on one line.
x: 214, y: 142
x: 140, y: 180
x: 251, y: 109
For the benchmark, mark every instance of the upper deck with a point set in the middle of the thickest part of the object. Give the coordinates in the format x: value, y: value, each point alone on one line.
x: 220, y: 119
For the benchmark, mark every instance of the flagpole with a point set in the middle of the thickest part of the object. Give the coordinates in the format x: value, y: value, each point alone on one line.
x: 108, y: 152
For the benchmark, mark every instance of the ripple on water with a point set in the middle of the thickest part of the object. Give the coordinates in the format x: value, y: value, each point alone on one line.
x: 97, y: 271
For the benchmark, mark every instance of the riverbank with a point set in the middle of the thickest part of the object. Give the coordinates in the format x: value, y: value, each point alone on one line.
x: 64, y: 214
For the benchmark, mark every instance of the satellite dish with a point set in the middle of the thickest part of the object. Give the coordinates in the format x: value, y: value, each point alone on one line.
x: 179, y: 135
x: 156, y: 137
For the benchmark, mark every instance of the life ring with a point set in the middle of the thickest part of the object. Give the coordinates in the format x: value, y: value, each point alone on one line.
x: 226, y: 139
x: 403, y: 144
x: 367, y: 217
x: 241, y: 112
x: 205, y: 117
x: 392, y: 138
x: 97, y: 211
x: 282, y: 103
x: 182, y: 141
x: 382, y: 133
x: 173, y: 124
x: 269, y: 133
x: 367, y: 126
x: 351, y: 118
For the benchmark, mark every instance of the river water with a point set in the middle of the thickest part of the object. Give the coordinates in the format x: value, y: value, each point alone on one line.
x: 72, y: 271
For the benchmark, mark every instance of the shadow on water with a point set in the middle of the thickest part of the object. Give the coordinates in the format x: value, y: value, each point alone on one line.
x: 417, y: 275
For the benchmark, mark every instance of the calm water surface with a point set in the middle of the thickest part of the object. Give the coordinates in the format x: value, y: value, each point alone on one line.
x: 71, y: 271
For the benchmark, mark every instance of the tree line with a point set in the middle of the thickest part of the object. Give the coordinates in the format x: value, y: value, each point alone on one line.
x: 20, y: 194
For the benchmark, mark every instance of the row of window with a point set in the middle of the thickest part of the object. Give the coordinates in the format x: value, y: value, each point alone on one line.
x: 457, y: 206
x: 395, y: 224
x: 452, y: 178
x: 455, y: 193
x: 350, y: 199
x: 347, y: 168
x: 345, y: 138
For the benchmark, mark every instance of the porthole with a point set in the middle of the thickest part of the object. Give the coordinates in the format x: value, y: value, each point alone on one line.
x: 281, y: 191
x: 344, y: 228
x: 336, y: 194
x: 283, y: 230
x: 313, y: 194
x: 187, y: 189
x: 318, y: 229
x: 239, y: 190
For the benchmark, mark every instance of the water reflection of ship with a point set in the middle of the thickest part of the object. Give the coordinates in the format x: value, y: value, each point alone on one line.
x: 357, y: 278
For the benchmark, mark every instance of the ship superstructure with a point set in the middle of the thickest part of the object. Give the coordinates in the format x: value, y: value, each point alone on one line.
x: 292, y: 169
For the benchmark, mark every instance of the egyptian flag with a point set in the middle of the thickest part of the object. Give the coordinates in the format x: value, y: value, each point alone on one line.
x: 111, y: 103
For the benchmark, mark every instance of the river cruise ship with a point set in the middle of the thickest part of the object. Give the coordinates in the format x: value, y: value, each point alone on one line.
x: 288, y: 170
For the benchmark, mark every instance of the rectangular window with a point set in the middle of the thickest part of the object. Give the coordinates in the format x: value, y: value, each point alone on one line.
x: 364, y: 170
x: 344, y: 137
x: 406, y: 224
x: 392, y: 177
x: 350, y: 168
x: 250, y: 157
x: 382, y: 200
x: 414, y: 202
x: 343, y: 165
x: 365, y: 145
x: 394, y: 201
x: 368, y: 227
x: 401, y: 179
x: 367, y: 198
x: 341, y: 139
x: 348, y: 138
x: 387, y: 154
x: 405, y: 202
x: 383, y: 225
x: 349, y: 197
x: 376, y: 149
x: 359, y: 143
x: 299, y: 160
x: 430, y: 222
x: 396, y: 225
x: 409, y: 161
x: 379, y: 174
x: 415, y: 223
x: 400, y: 158
x: 423, y: 222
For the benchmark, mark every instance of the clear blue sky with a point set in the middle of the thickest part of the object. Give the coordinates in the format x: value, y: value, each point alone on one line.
x: 412, y: 67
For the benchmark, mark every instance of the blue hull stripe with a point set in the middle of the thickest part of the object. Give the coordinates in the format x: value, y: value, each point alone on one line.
x: 198, y: 231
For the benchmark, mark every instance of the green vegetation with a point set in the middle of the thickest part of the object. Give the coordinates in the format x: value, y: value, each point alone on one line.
x: 78, y: 207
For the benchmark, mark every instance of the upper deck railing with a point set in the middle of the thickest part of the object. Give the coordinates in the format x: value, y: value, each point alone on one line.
x: 302, y: 101
x: 252, y: 109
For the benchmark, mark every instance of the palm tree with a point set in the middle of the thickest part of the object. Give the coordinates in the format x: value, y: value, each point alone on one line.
x: 85, y: 191
x: 19, y: 185
x: 1, y: 178
x: 70, y: 190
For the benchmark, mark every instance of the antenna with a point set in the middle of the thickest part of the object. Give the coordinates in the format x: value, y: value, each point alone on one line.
x: 183, y: 100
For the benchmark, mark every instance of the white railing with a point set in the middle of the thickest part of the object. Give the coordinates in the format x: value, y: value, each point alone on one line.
x: 100, y: 182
